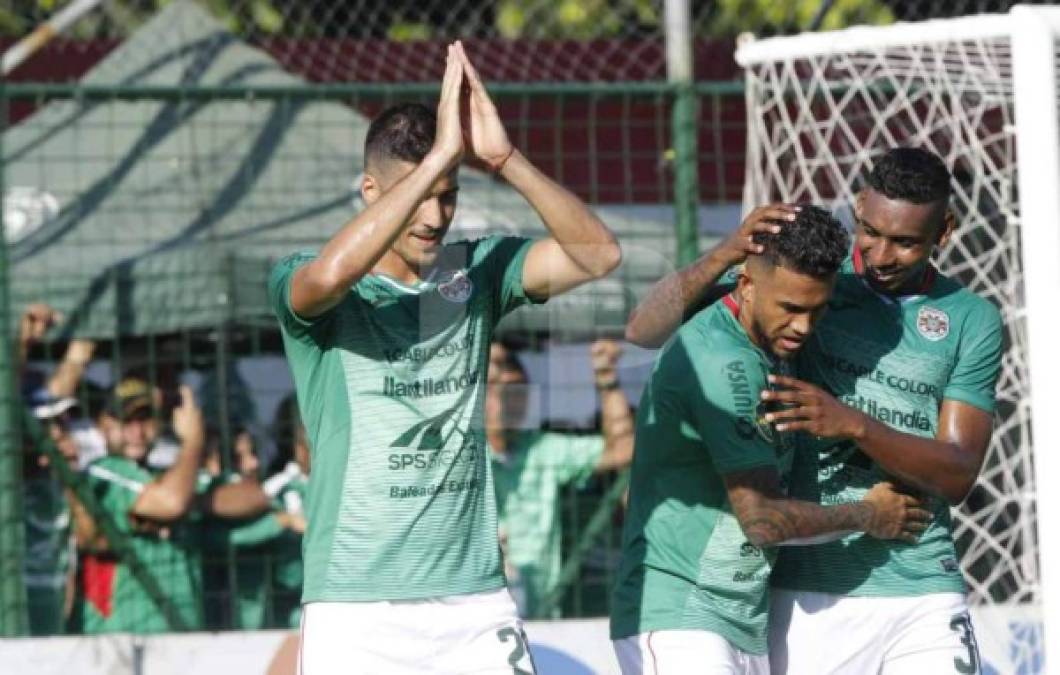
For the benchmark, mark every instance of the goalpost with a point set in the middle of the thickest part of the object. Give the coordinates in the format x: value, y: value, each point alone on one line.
x: 982, y: 92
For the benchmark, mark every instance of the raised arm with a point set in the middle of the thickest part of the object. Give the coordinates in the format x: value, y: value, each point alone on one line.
x: 243, y: 499
x: 320, y: 284
x: 67, y: 375
x: 672, y: 299
x: 770, y: 519
x: 35, y: 322
x: 946, y: 465
x: 170, y: 496
x: 616, y: 418
x: 581, y: 247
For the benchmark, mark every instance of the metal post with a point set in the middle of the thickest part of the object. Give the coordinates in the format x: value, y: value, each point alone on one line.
x: 13, y: 618
x: 1034, y: 80
x: 685, y: 112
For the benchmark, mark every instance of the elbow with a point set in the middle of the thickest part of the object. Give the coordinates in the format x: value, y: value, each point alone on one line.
x: 636, y: 335
x: 170, y: 506
x: 956, y: 490
x: 760, y: 530
x: 632, y: 334
x: 605, y: 260
x: 760, y: 538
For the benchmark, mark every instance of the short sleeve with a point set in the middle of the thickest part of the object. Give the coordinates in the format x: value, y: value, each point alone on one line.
x: 974, y: 377
x: 722, y: 404
x: 505, y: 257
x: 730, y: 276
x: 573, y: 457
x: 116, y: 487
x: 280, y: 295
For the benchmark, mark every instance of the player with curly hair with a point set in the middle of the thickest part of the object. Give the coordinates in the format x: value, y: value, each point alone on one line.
x: 707, y: 499
x: 896, y: 383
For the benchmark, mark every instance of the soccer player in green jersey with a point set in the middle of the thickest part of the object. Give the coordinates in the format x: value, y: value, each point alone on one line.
x: 915, y: 359
x: 387, y: 332
x: 707, y: 497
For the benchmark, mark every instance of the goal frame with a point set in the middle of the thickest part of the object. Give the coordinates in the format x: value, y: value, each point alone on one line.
x: 1034, y: 37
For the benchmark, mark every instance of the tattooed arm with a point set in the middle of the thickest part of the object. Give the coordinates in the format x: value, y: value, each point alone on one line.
x: 770, y: 519
x: 680, y: 294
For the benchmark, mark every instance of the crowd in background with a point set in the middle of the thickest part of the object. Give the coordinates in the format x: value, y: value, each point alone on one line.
x: 164, y: 518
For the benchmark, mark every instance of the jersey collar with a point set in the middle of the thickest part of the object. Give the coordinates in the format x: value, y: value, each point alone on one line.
x: 930, y: 274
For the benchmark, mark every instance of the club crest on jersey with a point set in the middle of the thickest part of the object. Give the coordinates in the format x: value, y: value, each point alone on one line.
x: 457, y: 288
x: 934, y: 324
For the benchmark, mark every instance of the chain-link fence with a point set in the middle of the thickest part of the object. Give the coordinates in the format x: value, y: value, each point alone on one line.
x: 159, y: 155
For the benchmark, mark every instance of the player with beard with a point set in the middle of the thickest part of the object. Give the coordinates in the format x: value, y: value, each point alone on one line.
x: 707, y: 497
x: 897, y: 382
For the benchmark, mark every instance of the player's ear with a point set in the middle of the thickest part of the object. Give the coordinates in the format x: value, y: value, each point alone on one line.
x: 371, y: 189
x: 745, y: 287
x: 859, y: 204
x: 949, y: 224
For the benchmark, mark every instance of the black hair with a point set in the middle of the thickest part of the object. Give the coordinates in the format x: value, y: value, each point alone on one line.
x: 511, y: 361
x: 404, y: 132
x: 287, y: 431
x: 815, y: 243
x: 912, y: 175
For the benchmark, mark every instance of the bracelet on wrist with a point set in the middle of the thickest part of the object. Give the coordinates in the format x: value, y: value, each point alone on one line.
x: 496, y: 167
x: 608, y: 385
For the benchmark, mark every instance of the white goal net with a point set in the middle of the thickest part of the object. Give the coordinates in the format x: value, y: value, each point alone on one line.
x: 823, y: 107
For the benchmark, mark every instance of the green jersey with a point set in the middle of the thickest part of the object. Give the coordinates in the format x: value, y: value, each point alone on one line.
x: 686, y: 563
x: 895, y: 359
x: 114, y: 600
x: 49, y: 545
x: 528, y: 479
x: 391, y: 383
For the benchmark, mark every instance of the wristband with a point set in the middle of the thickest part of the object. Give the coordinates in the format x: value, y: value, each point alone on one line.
x: 608, y: 386
x: 496, y: 168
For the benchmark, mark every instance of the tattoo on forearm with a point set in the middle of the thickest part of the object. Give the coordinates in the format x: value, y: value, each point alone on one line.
x: 768, y: 519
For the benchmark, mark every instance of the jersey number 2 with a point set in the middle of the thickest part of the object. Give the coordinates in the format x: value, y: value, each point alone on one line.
x: 520, y: 651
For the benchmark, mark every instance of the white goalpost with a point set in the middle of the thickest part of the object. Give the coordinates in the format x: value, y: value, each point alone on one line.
x: 982, y: 92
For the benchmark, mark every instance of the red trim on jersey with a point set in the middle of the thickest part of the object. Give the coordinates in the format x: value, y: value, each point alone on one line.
x: 730, y: 302
x: 97, y: 582
x: 654, y: 658
x: 859, y: 264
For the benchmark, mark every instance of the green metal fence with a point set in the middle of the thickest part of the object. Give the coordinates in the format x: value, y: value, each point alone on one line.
x: 175, y: 199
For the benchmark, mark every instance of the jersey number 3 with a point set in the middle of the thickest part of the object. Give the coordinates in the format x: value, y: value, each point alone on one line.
x: 963, y: 625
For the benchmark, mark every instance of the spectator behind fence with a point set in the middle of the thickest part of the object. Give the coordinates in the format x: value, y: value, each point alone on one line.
x: 160, y: 514
x: 262, y: 547
x: 49, y: 561
x: 530, y: 466
x: 133, y: 432
x: 286, y: 486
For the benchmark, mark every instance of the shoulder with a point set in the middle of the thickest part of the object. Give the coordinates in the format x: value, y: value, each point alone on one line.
x: 706, y: 350
x: 119, y: 471
x: 966, y: 309
x: 712, y: 337
x: 289, y: 263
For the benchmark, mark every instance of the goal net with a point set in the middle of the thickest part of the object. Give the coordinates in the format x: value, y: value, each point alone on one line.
x: 980, y: 92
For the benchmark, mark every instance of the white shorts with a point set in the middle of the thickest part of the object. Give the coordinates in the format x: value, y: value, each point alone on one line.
x: 674, y: 652
x: 820, y: 633
x: 474, y: 633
